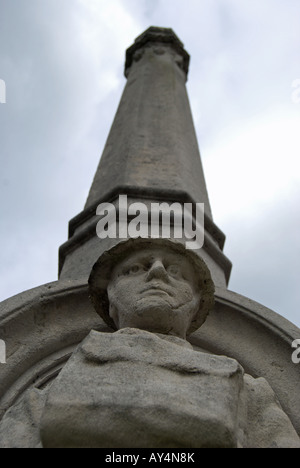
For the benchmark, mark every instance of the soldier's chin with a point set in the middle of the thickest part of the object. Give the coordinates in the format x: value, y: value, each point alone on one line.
x: 156, y: 316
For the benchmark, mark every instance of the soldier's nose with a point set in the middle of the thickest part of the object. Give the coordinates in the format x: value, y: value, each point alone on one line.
x: 158, y: 271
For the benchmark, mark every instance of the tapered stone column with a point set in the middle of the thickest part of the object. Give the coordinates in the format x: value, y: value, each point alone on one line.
x: 151, y: 153
x: 152, y: 146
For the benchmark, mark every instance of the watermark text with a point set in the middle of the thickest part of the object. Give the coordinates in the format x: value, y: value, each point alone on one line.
x: 296, y: 353
x: 2, y: 92
x: 2, y: 352
x: 143, y: 456
x: 296, y: 93
x: 155, y: 220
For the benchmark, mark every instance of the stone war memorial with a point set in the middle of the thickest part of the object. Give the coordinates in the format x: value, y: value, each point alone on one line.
x: 140, y: 343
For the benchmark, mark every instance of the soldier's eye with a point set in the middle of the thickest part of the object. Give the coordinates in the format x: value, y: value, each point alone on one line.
x: 174, y: 270
x: 133, y: 269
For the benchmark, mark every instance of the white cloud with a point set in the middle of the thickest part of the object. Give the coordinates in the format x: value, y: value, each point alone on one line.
x: 253, y: 164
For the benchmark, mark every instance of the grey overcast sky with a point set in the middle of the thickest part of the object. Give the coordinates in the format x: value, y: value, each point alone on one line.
x: 62, y: 64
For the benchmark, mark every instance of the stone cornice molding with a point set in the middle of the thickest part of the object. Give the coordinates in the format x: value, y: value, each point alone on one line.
x: 155, y: 36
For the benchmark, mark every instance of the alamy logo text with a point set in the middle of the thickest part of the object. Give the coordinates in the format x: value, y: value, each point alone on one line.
x: 153, y: 220
x: 2, y: 92
x: 296, y: 353
x: 2, y: 352
x: 296, y: 93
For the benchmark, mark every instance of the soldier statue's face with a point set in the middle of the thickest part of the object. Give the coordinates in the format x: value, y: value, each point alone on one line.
x: 154, y: 290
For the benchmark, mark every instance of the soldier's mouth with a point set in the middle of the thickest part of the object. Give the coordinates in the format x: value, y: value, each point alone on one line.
x: 157, y: 288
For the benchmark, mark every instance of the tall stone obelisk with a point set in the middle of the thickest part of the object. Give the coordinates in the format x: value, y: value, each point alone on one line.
x: 151, y: 153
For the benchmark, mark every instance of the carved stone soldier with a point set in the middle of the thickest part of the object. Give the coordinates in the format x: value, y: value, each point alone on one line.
x: 144, y: 385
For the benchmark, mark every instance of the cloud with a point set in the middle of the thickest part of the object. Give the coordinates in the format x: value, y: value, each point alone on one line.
x: 49, y: 149
x: 260, y: 157
x: 252, y: 173
x: 265, y: 252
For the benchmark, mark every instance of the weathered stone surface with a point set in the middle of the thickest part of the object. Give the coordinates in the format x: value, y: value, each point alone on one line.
x: 151, y: 153
x: 136, y: 389
x: 152, y: 144
x: 157, y: 36
x: 267, y: 425
x: 20, y: 428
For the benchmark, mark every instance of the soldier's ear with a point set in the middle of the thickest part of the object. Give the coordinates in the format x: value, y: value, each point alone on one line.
x: 196, y: 302
x: 113, y: 313
x: 197, y: 296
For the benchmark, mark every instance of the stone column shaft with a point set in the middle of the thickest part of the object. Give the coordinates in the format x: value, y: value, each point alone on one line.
x: 152, y: 145
x: 151, y: 154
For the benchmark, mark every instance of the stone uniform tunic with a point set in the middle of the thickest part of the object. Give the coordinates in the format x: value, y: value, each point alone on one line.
x: 134, y: 389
